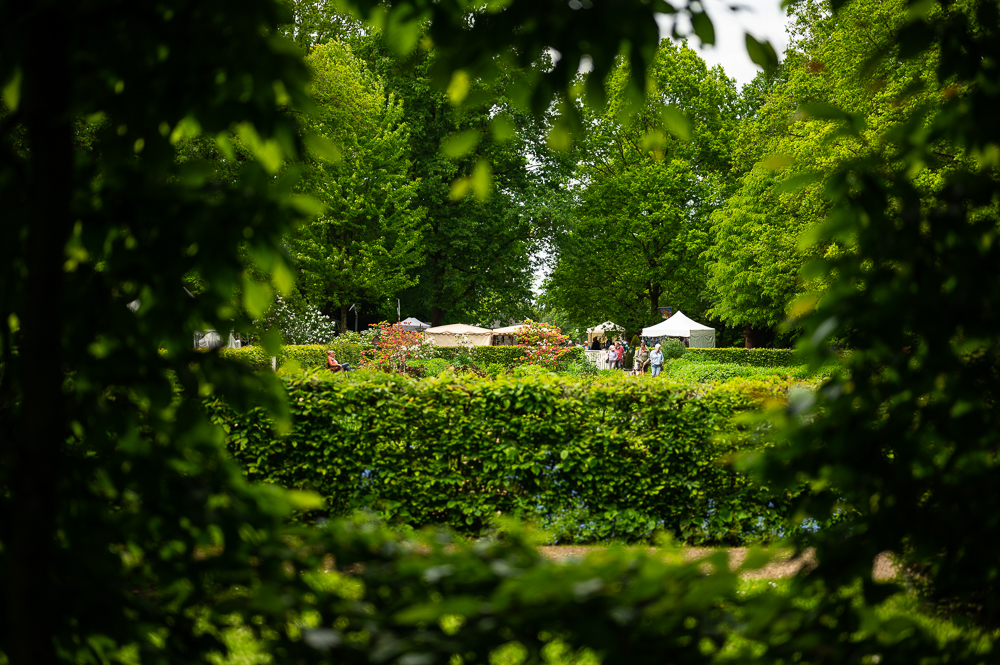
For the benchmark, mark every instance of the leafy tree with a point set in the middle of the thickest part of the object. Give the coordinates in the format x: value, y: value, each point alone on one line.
x: 366, y: 243
x: 641, y: 222
x: 907, y: 443
x: 119, y: 512
x: 755, y: 258
x: 474, y: 183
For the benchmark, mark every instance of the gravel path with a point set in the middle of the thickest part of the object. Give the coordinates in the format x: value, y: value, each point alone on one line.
x: 781, y: 565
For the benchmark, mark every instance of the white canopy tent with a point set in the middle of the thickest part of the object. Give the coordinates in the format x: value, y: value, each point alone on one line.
x: 449, y: 335
x: 678, y: 325
x: 413, y: 324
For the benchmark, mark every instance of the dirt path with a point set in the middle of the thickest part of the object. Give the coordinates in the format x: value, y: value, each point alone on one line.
x: 782, y: 565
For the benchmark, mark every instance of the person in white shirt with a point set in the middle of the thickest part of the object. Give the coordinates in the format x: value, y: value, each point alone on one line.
x: 656, y: 360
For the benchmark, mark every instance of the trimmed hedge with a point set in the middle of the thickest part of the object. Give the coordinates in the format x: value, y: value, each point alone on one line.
x: 502, y: 355
x: 314, y: 355
x: 748, y: 357
x: 307, y: 355
x: 706, y: 372
x: 588, y: 459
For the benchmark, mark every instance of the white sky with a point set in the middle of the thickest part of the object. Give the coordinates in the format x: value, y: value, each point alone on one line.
x: 764, y: 19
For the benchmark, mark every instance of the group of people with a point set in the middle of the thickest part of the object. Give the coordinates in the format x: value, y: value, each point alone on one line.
x: 644, y: 358
x: 643, y: 361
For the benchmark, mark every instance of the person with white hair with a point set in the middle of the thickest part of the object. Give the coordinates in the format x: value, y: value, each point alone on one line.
x: 656, y: 360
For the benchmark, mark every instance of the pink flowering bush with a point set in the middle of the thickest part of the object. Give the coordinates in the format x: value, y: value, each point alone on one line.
x: 541, y: 343
x: 393, y: 347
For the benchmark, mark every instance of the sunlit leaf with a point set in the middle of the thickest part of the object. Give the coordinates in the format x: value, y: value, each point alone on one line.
x: 256, y: 297
x: 460, y: 144
x: 777, y: 162
x: 459, y: 86
x: 676, y: 122
x: 323, y: 147
x: 482, y: 180
x: 12, y: 90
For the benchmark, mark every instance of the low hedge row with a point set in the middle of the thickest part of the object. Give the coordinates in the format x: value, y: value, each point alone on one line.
x: 314, y: 355
x: 748, y: 357
x: 705, y: 372
x: 589, y: 460
x: 306, y: 355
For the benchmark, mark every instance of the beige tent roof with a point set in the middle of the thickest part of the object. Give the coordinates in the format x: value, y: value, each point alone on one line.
x: 509, y: 330
x: 448, y: 335
x: 457, y: 329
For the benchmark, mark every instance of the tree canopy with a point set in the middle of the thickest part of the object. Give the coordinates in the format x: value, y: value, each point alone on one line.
x: 366, y: 243
x: 645, y: 187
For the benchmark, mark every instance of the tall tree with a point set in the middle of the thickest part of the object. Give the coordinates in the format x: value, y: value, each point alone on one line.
x: 647, y: 184
x: 473, y: 181
x: 758, y: 248
x: 366, y: 243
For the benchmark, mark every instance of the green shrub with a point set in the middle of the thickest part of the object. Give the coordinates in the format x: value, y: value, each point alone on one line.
x: 749, y: 357
x: 508, y: 356
x: 306, y: 355
x: 431, y: 367
x: 531, y: 370
x: 581, y: 367
x: 672, y: 348
x: 629, y: 456
x: 495, y: 369
x: 704, y: 372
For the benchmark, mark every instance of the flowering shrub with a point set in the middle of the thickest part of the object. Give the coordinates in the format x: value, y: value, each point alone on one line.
x: 541, y: 343
x: 394, y: 346
x: 309, y: 327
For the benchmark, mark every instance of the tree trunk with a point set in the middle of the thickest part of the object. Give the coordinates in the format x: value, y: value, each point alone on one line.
x: 654, y: 298
x: 37, y: 449
x: 343, y: 318
x: 757, y: 337
x: 437, y: 316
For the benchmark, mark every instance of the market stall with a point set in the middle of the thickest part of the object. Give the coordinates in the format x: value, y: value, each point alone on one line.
x: 680, y: 326
x: 507, y: 336
x: 603, y: 332
x: 454, y: 334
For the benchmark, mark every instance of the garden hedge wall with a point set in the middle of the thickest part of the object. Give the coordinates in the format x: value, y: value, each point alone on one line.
x: 748, y: 357
x: 307, y: 355
x: 314, y: 355
x: 588, y: 460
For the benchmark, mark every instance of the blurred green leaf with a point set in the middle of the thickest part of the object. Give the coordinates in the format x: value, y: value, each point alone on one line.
x: 460, y: 144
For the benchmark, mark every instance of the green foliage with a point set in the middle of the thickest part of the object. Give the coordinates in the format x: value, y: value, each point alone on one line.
x: 581, y: 366
x: 434, y: 366
x: 472, y: 183
x: 305, y: 356
x: 122, y: 518
x: 627, y: 458
x: 705, y: 372
x: 507, y: 356
x: 908, y: 439
x: 366, y: 242
x: 748, y: 357
x: 640, y: 225
x: 672, y: 348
